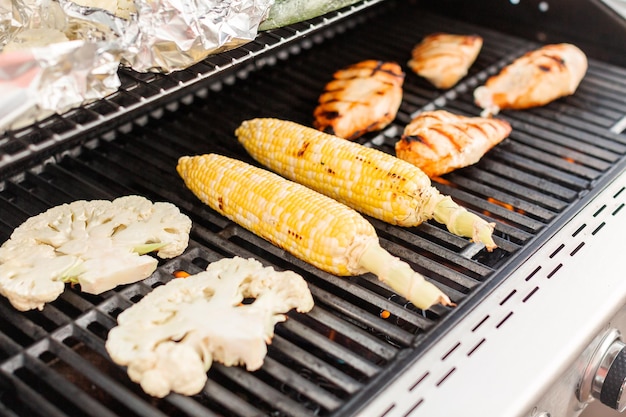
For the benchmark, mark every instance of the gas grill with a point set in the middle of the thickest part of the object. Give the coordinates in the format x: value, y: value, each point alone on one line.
x: 537, y: 326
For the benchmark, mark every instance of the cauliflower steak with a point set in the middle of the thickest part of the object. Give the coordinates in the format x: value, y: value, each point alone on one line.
x: 98, y: 244
x: 170, y: 338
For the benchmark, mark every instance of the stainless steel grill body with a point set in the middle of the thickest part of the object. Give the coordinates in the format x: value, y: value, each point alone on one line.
x: 523, y: 350
x: 343, y: 358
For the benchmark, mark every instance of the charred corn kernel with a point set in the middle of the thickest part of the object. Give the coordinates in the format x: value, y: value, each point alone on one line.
x: 312, y: 227
x: 307, y: 224
x: 370, y: 181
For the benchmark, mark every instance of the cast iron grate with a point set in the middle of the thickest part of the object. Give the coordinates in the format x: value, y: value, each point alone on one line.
x: 53, y: 362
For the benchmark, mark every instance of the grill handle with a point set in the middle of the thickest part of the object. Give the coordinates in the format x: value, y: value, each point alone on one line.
x: 605, y: 376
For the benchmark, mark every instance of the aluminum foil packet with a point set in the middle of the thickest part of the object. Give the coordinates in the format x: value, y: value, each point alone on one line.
x: 174, y: 34
x: 38, y: 82
x: 59, y: 54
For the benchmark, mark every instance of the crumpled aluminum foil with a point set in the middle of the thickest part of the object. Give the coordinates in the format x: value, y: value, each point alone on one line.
x: 59, y: 54
x: 36, y: 83
x: 174, y: 34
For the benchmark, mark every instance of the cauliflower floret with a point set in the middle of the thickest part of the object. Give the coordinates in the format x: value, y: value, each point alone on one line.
x: 98, y: 244
x: 171, y: 364
x: 170, y: 338
x: 160, y: 225
x: 21, y: 267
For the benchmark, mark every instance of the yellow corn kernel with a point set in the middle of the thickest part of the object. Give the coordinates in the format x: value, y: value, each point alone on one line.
x: 309, y: 225
x: 370, y: 181
x: 301, y: 221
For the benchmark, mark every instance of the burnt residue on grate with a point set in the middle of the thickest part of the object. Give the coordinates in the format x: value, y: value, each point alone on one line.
x: 53, y: 362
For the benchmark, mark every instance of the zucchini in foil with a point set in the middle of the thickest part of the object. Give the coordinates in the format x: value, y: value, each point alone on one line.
x: 286, y: 12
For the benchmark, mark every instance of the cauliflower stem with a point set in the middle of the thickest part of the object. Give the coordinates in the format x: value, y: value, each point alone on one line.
x: 149, y: 247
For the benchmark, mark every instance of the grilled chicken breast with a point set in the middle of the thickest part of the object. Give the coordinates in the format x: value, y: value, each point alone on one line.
x: 534, y: 79
x: 443, y: 59
x: 361, y: 98
x: 439, y: 141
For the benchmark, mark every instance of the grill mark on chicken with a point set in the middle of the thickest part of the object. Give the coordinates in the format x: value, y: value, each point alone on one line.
x: 394, y: 72
x: 536, y: 78
x: 555, y: 62
x: 416, y: 138
x: 330, y: 115
x: 560, y: 62
x: 439, y: 141
x: 443, y: 59
x: 451, y: 138
x: 361, y: 98
x: 483, y: 130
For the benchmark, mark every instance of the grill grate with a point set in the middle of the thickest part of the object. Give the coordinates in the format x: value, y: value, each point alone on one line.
x: 53, y: 362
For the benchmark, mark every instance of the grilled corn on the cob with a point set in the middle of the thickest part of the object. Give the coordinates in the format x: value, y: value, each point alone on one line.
x: 370, y: 181
x: 312, y: 227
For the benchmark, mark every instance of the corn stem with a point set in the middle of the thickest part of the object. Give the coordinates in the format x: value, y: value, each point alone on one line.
x: 398, y: 275
x: 461, y: 222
